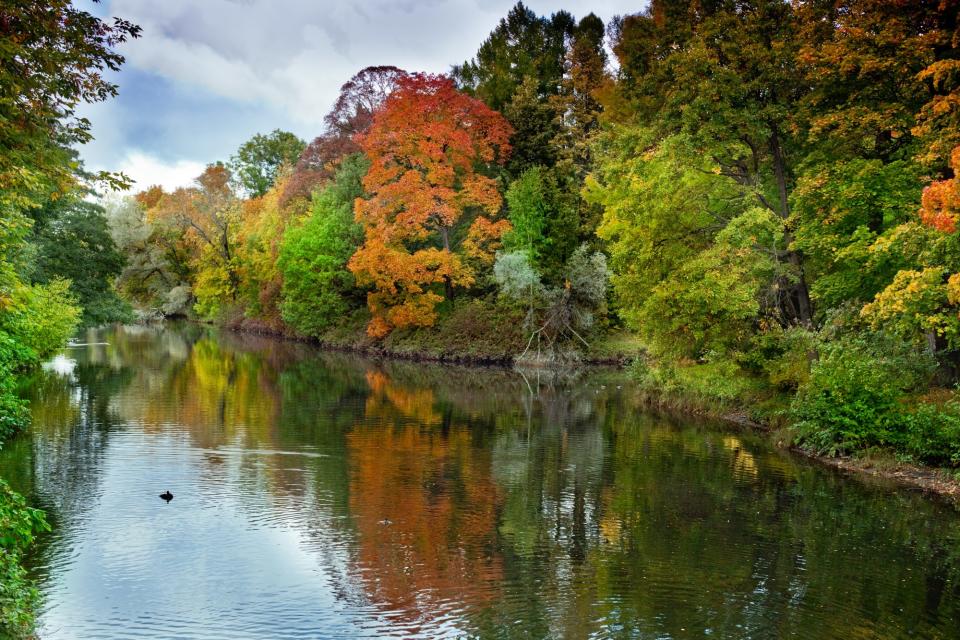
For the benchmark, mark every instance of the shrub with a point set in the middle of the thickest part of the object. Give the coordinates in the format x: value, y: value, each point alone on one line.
x: 516, y: 278
x: 931, y: 433
x: 43, y: 317
x: 853, y: 397
x: 783, y: 356
x: 18, y: 597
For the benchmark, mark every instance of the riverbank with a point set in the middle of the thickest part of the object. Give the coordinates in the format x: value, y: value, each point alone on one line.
x: 736, y: 403
x: 472, y: 332
x: 867, y: 466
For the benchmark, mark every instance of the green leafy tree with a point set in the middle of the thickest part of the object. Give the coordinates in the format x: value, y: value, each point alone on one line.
x: 257, y: 163
x: 544, y: 221
x: 725, y: 77
x: 523, y: 45
x: 519, y: 70
x: 694, y: 258
x: 841, y: 210
x: 318, y: 289
x: 71, y: 240
x: 54, y: 56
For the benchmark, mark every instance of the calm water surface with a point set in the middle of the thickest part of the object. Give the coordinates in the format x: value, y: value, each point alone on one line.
x: 321, y: 495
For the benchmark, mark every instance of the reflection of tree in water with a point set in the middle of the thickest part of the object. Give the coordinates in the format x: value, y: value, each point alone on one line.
x: 513, y: 505
x: 424, y: 505
x: 701, y: 532
x: 58, y: 464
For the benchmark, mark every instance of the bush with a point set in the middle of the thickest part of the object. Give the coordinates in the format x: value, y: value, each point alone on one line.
x: 853, y: 399
x: 711, y: 385
x: 931, y: 433
x: 516, y: 278
x: 783, y: 356
x: 18, y: 597
x: 14, y: 416
x: 42, y: 318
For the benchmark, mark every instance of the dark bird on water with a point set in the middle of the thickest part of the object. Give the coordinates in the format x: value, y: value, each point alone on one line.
x: 166, y: 495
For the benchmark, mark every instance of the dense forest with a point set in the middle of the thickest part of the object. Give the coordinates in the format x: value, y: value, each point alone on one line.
x: 763, y: 195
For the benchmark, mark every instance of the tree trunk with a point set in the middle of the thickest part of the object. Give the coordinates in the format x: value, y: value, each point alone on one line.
x: 447, y: 283
x: 801, y: 293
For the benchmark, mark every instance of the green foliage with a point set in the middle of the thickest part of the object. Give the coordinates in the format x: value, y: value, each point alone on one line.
x: 544, y: 221
x: 695, y: 263
x: 318, y: 289
x: 14, y: 416
x: 53, y: 56
x: 783, y: 356
x: 932, y: 432
x: 709, y: 386
x: 522, y: 46
x: 72, y: 241
x: 853, y: 399
x: 258, y: 161
x: 18, y: 597
x: 840, y: 209
x: 42, y: 318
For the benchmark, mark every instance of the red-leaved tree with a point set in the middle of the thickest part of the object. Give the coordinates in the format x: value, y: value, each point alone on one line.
x: 427, y: 147
x: 360, y: 98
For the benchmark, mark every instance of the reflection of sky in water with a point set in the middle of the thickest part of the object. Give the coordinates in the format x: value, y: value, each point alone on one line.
x: 211, y: 561
x: 324, y: 496
x: 61, y: 365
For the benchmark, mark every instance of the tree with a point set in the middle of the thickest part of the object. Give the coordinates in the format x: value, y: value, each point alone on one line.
x: 560, y: 315
x: 518, y: 70
x: 205, y: 218
x: 694, y: 257
x: 725, y: 77
x: 259, y: 233
x: 318, y: 289
x: 922, y: 302
x: 72, y: 241
x: 257, y: 163
x: 544, y: 221
x: 425, y: 147
x: 159, y: 269
x: 352, y: 114
x: 54, y: 57
x: 522, y: 46
x: 578, y: 107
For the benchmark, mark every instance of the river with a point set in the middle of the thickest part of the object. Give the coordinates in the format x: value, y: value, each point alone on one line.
x: 324, y: 495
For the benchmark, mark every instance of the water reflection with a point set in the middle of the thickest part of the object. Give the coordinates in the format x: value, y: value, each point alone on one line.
x: 323, y: 495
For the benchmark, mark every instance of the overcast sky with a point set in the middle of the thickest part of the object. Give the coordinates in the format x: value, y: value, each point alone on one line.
x: 208, y: 74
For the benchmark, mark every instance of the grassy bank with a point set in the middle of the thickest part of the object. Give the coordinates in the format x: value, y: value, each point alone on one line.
x: 848, y: 416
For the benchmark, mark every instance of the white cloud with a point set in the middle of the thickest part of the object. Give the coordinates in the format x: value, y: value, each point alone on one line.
x: 295, y: 54
x: 226, y: 69
x: 146, y: 171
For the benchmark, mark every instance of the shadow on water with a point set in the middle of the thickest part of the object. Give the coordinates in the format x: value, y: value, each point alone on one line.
x: 326, y: 495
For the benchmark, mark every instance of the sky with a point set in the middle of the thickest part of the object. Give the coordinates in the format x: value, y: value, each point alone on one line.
x: 208, y: 74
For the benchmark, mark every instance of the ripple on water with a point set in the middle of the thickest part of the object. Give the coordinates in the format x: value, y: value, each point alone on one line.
x: 322, y: 496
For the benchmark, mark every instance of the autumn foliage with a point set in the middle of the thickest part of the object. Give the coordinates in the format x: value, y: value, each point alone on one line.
x: 427, y: 149
x: 941, y: 200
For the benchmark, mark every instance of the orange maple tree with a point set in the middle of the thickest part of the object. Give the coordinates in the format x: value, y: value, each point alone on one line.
x: 941, y: 199
x: 426, y: 147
